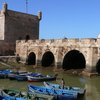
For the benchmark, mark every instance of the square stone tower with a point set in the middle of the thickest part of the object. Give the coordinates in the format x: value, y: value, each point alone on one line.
x: 16, y: 26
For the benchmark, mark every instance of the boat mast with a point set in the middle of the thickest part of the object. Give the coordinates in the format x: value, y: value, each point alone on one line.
x: 26, y: 6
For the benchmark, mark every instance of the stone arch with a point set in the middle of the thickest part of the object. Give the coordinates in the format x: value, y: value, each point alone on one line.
x: 31, y: 59
x: 74, y: 59
x: 98, y: 67
x: 48, y: 59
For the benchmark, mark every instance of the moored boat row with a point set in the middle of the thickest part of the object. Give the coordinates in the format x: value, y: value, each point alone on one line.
x: 11, y: 94
x: 47, y: 92
x: 78, y: 90
x: 26, y: 76
x: 57, y: 94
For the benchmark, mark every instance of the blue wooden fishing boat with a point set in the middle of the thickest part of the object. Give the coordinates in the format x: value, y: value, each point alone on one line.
x: 11, y: 94
x: 4, y: 73
x: 11, y: 98
x: 79, y: 90
x: 14, y: 74
x: 2, y: 97
x: 60, y: 94
x: 41, y: 78
x: 23, y: 77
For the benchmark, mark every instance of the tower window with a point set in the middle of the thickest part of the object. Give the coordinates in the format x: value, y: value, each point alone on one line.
x: 27, y: 38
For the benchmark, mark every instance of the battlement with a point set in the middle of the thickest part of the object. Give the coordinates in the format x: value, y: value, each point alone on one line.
x: 12, y: 13
x: 61, y: 42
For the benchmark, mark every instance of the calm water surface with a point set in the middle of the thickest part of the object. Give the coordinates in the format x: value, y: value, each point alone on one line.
x: 92, y: 85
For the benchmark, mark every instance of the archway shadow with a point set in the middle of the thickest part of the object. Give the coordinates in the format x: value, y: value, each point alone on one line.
x: 74, y: 59
x: 31, y: 60
x: 47, y: 59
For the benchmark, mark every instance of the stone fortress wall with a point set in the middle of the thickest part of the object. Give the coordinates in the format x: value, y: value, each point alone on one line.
x: 89, y: 48
x: 16, y: 26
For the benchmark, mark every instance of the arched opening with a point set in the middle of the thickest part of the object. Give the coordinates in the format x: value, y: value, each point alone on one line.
x: 74, y: 60
x: 98, y: 67
x: 48, y: 59
x: 31, y: 60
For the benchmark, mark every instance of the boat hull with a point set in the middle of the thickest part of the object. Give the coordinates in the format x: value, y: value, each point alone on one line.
x: 80, y: 91
x: 61, y: 95
x: 9, y: 94
x: 40, y: 79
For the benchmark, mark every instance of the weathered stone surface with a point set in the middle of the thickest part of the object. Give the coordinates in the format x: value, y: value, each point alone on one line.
x: 16, y: 26
x: 88, y: 47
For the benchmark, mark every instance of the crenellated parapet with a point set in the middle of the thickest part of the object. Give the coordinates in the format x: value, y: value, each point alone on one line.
x: 63, y: 42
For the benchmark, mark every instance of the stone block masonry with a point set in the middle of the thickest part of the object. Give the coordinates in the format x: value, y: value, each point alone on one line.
x: 87, y: 49
x: 15, y: 25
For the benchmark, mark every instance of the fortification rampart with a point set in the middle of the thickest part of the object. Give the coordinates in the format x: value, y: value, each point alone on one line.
x: 88, y: 48
x: 14, y: 26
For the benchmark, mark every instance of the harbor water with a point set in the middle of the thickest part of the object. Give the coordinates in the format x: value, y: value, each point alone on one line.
x: 92, y: 85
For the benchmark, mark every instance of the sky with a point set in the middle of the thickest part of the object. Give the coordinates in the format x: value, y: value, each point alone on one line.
x: 62, y: 18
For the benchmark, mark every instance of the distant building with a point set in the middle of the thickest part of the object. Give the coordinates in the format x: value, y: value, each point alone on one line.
x: 16, y: 26
x: 98, y: 36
